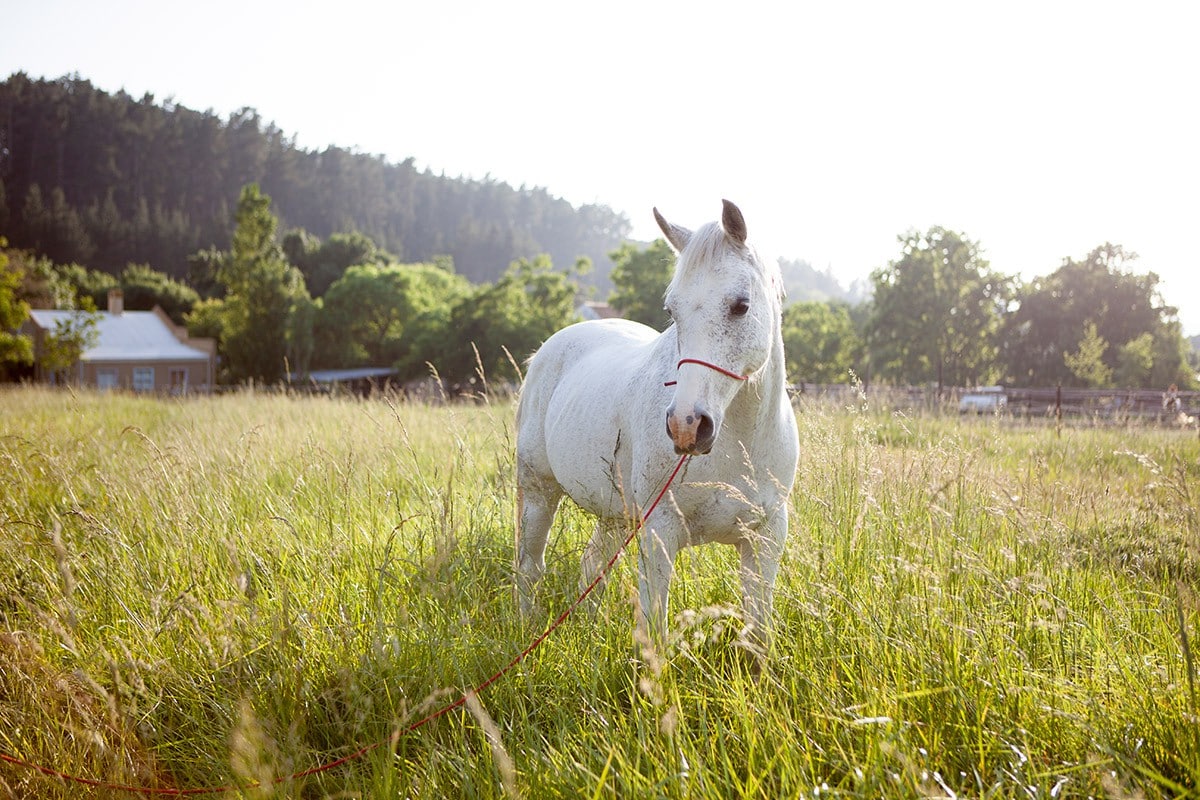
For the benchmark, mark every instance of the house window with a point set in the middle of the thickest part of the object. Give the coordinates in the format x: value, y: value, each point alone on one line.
x: 143, y: 379
x: 106, y: 378
x: 177, y: 380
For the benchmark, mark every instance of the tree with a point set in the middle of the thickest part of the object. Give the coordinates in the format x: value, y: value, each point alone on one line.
x: 143, y: 289
x: 1174, y: 360
x: 499, y: 323
x: 820, y: 342
x: 1087, y: 363
x: 1135, y: 361
x: 640, y: 278
x: 72, y: 336
x: 206, y: 319
x: 322, y: 263
x: 372, y: 313
x: 203, y: 267
x: 1054, y: 311
x: 937, y: 311
x: 45, y: 284
x: 266, y: 302
x: 299, y: 341
x: 300, y: 248
x: 15, y: 348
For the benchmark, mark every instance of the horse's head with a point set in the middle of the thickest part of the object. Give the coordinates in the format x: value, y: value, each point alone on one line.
x: 726, y: 309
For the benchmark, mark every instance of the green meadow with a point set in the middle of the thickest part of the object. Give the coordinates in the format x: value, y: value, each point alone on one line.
x: 228, y: 591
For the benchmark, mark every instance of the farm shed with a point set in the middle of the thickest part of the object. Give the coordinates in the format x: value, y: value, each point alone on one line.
x: 139, y: 350
x: 592, y: 309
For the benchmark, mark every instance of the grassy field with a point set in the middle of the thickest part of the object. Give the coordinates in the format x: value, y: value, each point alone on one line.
x: 222, y: 591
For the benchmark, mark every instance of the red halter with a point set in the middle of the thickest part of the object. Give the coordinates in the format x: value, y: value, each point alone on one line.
x: 721, y: 370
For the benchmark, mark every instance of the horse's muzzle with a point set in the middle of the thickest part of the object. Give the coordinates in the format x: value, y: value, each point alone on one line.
x: 693, y: 433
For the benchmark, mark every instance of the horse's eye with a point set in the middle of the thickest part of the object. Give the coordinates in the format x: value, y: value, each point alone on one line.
x: 739, y: 307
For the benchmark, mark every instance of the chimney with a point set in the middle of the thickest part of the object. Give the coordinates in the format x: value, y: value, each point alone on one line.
x: 116, y: 301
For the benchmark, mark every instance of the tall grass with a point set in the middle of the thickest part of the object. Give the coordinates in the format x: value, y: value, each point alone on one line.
x: 223, y: 591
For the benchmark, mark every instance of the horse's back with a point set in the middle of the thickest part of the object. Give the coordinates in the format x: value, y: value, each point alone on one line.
x: 596, y: 336
x: 577, y: 355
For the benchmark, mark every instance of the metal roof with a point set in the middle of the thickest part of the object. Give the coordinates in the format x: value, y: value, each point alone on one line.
x: 339, y: 375
x: 129, y: 336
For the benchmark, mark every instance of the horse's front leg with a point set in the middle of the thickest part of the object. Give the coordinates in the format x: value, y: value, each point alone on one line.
x: 759, y: 554
x: 656, y: 564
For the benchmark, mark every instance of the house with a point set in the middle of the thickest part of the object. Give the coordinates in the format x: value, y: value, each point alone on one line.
x: 140, y: 350
x: 591, y: 309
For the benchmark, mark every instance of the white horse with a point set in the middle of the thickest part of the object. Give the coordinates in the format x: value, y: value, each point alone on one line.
x: 590, y: 426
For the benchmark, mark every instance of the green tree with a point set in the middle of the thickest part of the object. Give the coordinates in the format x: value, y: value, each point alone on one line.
x: 207, y: 319
x: 299, y: 338
x: 820, y: 342
x: 300, y: 248
x: 322, y: 263
x: 372, y: 313
x: 15, y: 348
x: 83, y: 284
x: 144, y: 288
x: 1087, y: 362
x: 203, y: 267
x: 503, y: 322
x: 937, y: 311
x: 640, y: 278
x: 1102, y: 289
x: 1173, y: 359
x: 45, y: 284
x: 72, y: 336
x: 1135, y: 361
x: 263, y: 294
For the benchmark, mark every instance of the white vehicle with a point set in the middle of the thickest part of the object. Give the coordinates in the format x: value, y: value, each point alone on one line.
x: 983, y: 400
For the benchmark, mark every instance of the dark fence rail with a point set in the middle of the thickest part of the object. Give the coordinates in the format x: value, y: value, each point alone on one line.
x: 1119, y: 403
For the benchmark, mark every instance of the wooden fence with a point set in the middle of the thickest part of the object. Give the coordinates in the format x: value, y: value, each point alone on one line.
x: 1116, y: 405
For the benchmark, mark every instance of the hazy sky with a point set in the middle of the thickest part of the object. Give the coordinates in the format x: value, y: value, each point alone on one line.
x: 1039, y: 129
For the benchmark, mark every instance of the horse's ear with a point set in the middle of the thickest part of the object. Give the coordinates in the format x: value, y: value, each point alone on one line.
x: 733, y: 222
x: 677, y: 236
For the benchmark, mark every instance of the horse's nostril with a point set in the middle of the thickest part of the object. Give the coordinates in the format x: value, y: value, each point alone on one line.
x: 704, y: 431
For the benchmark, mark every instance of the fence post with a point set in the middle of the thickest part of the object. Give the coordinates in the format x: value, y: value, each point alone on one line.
x: 1058, y: 410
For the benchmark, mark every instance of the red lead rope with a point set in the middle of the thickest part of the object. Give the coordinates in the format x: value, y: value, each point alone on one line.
x: 401, y: 732
x: 721, y: 370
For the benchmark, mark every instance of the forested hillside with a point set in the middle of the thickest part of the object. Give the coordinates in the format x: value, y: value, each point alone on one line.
x: 804, y: 283
x: 106, y: 180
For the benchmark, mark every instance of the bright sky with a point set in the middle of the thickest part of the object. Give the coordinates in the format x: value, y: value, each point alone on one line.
x: 1039, y: 129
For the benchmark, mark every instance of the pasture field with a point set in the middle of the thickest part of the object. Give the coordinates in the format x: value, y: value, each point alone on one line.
x: 214, y: 592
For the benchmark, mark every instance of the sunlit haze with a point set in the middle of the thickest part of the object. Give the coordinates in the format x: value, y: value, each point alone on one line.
x: 1040, y: 130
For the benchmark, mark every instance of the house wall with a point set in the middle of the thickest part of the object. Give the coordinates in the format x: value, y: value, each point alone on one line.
x: 195, y: 375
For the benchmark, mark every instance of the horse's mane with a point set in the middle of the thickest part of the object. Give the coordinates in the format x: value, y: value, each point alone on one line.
x: 709, y: 244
